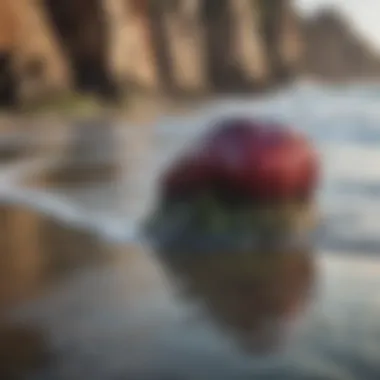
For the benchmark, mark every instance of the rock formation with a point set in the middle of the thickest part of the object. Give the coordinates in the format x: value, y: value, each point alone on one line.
x: 31, y: 63
x: 334, y: 51
x: 219, y: 45
x: 174, y: 46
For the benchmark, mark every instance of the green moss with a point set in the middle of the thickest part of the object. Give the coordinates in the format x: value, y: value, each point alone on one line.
x: 69, y: 104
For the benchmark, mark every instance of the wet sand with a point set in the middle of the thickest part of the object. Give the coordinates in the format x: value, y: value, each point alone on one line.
x: 74, y: 304
x: 109, y: 311
x: 37, y: 254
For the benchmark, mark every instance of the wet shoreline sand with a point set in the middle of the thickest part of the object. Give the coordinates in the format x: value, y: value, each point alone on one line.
x: 85, y: 303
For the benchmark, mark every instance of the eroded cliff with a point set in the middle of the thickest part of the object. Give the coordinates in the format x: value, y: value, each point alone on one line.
x: 172, y: 46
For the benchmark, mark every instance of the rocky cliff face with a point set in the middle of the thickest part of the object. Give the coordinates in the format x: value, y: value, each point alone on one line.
x: 82, y: 29
x: 189, y: 46
x: 333, y: 51
x: 31, y: 62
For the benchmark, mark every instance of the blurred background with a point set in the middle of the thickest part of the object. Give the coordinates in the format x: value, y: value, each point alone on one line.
x: 97, y: 97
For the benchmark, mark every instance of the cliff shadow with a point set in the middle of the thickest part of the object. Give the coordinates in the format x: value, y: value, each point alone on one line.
x: 271, y: 26
x: 81, y: 27
x: 222, y: 67
x: 22, y: 351
x: 38, y: 251
x: 8, y: 81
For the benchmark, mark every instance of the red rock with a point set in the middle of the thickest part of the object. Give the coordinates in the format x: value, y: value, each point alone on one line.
x: 262, y: 160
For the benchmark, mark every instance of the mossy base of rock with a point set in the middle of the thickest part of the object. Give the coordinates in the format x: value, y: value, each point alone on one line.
x: 200, y: 228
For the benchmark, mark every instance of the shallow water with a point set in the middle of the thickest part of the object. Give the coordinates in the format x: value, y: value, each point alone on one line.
x: 82, y: 296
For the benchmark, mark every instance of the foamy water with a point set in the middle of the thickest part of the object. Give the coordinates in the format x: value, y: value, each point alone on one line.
x: 344, y: 124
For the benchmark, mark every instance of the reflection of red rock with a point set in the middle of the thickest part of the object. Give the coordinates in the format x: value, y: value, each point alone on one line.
x: 248, y: 293
x: 22, y: 351
x: 259, y: 159
x: 257, y: 163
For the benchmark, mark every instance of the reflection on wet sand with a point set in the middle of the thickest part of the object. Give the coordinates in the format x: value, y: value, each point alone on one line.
x: 120, y: 320
x: 22, y: 350
x: 256, y: 295
x: 122, y: 300
x: 36, y: 250
x: 36, y: 253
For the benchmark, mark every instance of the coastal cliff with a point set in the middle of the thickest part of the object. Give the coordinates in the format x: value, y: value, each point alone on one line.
x: 334, y: 51
x: 106, y: 47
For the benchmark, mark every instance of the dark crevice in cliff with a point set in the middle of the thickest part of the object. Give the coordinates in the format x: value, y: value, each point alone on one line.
x: 8, y: 81
x: 272, y: 13
x: 222, y: 68
x: 82, y: 32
